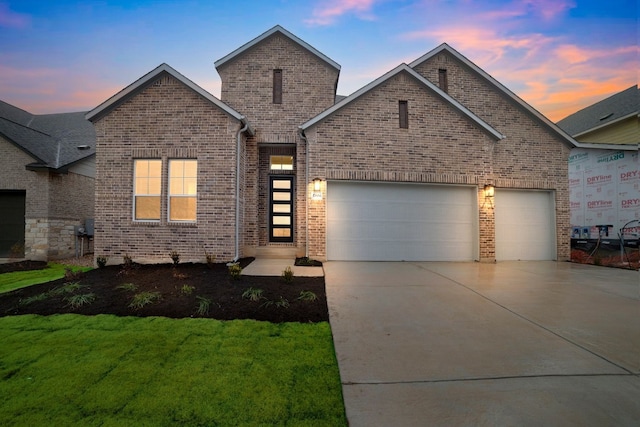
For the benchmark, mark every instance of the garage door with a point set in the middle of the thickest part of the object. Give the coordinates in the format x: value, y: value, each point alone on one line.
x: 525, y: 225
x: 400, y: 222
x: 12, y: 207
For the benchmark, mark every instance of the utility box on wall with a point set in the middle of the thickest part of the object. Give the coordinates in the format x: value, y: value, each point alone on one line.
x: 604, y: 195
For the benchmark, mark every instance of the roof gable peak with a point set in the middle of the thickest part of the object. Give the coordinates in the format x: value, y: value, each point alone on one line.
x: 275, y: 30
x: 143, y: 81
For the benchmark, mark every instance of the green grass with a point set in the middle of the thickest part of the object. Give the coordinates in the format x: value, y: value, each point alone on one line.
x: 21, y: 279
x: 72, y: 370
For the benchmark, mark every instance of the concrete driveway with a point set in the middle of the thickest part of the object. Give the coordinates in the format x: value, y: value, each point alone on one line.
x: 512, y: 343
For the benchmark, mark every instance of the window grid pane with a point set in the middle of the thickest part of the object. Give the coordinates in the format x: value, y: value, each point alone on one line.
x: 183, y: 189
x: 147, y: 189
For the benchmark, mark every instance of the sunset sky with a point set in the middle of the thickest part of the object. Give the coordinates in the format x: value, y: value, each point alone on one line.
x: 558, y: 55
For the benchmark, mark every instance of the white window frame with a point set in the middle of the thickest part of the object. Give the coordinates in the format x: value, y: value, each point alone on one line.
x: 136, y: 194
x: 170, y: 195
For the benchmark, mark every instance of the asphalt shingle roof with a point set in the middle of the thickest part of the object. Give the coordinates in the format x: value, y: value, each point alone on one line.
x: 613, y: 108
x: 51, y: 139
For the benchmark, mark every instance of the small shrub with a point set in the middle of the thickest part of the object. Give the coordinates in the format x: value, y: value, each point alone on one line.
x: 187, y: 289
x: 67, y: 288
x: 252, y: 294
x: 127, y: 261
x: 175, y: 257
x: 128, y: 287
x: 287, y: 275
x: 235, y: 271
x: 211, y: 259
x: 280, y: 303
x: 203, y: 306
x: 71, y: 275
x: 102, y: 261
x: 40, y: 297
x: 79, y: 300
x: 307, y: 296
x: 144, y: 298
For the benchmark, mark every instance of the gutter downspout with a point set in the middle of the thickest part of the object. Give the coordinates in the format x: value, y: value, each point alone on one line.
x: 238, y: 150
x: 306, y: 183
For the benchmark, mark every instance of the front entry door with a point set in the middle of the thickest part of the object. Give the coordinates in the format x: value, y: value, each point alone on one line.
x: 281, y: 209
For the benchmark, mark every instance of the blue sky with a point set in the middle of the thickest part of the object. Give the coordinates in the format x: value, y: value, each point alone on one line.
x: 558, y: 55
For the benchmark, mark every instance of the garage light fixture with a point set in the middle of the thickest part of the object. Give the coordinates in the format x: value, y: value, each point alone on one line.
x: 489, y: 190
x: 316, y: 184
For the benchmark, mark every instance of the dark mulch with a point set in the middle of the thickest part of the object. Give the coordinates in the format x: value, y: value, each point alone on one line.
x: 307, y: 262
x: 22, y: 266
x: 177, y: 301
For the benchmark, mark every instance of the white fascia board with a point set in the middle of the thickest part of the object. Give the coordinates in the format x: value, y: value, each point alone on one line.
x: 445, y: 47
x: 269, y: 33
x: 142, y: 81
x: 619, y: 147
x: 403, y: 68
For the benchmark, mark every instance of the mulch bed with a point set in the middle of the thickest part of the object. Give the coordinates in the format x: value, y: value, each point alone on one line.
x: 22, y: 266
x: 181, y: 289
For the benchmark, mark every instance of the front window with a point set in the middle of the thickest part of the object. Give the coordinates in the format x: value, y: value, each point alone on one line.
x: 281, y: 163
x: 146, y: 189
x: 183, y: 183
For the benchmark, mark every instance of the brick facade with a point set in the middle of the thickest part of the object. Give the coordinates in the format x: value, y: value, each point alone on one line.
x: 530, y: 157
x: 166, y: 120
x: 308, y: 88
x: 361, y: 141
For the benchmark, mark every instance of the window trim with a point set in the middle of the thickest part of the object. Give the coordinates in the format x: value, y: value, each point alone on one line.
x: 181, y: 195
x: 281, y: 164
x: 403, y: 114
x: 443, y: 80
x: 277, y: 86
x: 135, y: 195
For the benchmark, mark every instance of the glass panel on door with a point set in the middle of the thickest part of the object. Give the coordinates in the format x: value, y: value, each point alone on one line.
x: 281, y: 209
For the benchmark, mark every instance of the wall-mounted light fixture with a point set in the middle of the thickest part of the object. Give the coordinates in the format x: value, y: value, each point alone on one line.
x: 489, y: 190
x: 316, y: 184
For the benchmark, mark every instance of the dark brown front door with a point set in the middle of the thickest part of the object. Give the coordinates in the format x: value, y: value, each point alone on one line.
x: 281, y: 208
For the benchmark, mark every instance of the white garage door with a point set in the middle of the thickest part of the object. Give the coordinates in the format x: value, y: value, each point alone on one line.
x: 525, y: 225
x: 400, y: 222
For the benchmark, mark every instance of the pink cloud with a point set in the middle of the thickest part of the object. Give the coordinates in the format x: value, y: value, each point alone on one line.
x: 329, y: 12
x: 11, y: 19
x: 555, y: 76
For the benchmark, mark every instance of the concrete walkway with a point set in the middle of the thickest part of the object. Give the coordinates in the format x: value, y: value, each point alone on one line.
x: 469, y: 344
x: 275, y: 267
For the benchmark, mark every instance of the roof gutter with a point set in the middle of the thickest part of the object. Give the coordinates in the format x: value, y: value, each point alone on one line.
x: 244, y: 127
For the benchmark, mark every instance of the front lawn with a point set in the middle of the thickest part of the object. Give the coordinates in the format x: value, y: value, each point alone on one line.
x: 20, y: 279
x: 104, y: 370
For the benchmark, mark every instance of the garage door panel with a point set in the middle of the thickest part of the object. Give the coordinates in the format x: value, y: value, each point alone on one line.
x: 379, y: 221
x: 525, y: 225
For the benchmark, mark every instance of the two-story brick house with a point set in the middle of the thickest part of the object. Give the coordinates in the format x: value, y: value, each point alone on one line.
x: 435, y: 160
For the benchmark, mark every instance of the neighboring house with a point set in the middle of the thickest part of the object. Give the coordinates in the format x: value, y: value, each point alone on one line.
x: 435, y: 160
x: 604, y: 181
x: 47, y: 172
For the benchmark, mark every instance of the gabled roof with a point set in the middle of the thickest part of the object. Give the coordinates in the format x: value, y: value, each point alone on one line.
x: 51, y: 139
x: 444, y: 47
x: 404, y: 68
x: 150, y: 77
x: 277, y: 29
x: 617, y: 107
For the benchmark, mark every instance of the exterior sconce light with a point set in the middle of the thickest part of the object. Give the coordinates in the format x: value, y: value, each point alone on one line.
x: 489, y: 190
x: 316, y: 184
x: 316, y: 194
